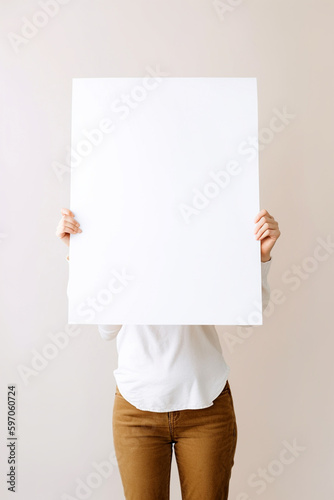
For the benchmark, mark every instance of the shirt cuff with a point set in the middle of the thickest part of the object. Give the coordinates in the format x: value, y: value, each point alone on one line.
x: 265, y: 266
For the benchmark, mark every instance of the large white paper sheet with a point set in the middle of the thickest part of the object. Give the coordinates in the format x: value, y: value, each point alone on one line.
x: 164, y: 182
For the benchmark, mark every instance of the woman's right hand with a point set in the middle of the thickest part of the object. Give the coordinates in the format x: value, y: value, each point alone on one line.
x: 67, y: 225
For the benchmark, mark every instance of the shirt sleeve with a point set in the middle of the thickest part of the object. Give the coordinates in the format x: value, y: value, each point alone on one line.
x: 109, y: 332
x: 265, y: 266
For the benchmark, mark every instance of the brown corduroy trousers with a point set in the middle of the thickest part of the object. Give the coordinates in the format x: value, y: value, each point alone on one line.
x: 204, y: 444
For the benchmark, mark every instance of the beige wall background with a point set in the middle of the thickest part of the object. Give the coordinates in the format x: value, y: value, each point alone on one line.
x: 281, y: 372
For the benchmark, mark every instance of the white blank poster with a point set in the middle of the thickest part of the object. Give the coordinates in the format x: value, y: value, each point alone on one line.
x: 164, y: 182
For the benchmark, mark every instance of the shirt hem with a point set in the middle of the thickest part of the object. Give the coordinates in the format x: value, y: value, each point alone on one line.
x: 221, y: 386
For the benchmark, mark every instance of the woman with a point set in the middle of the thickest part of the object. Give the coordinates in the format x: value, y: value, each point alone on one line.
x: 172, y: 389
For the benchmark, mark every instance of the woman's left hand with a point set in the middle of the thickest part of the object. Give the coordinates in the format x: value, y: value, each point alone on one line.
x: 267, y: 231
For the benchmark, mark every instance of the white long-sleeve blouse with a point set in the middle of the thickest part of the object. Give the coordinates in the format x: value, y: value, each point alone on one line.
x: 174, y: 367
